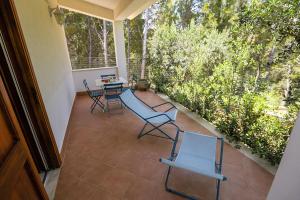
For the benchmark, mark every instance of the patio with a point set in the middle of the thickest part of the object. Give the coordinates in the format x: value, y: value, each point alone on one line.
x: 103, y: 159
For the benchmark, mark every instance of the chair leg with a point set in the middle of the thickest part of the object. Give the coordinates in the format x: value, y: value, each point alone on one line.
x: 167, y: 179
x: 141, y: 132
x: 99, y: 101
x: 168, y: 189
x: 218, y: 189
x: 107, y: 106
x: 93, y: 106
x: 95, y: 103
x: 168, y: 137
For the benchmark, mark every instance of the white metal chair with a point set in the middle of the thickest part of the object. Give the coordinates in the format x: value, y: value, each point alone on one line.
x: 197, y: 153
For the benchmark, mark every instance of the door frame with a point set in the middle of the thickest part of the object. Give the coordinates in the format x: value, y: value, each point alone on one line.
x: 24, y: 73
x: 17, y: 157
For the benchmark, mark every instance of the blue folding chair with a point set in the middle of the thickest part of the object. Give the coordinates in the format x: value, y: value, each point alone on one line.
x: 112, y: 92
x: 108, y: 76
x: 95, y: 95
x: 197, y: 153
x: 149, y: 115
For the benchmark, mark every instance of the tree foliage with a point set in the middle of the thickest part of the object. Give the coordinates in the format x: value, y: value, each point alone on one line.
x: 236, y: 64
x: 85, y: 39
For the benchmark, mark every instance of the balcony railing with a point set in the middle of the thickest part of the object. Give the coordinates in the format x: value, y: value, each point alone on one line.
x: 134, y: 67
x: 92, y: 62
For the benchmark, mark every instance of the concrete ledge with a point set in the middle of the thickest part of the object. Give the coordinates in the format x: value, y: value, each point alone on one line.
x: 245, y: 150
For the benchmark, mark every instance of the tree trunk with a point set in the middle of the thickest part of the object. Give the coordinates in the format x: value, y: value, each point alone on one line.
x: 270, y: 62
x: 90, y: 42
x: 258, y: 74
x: 185, y: 12
x: 145, y: 33
x: 105, y: 44
x: 287, y: 91
x: 128, y: 44
x: 218, y: 10
x: 257, y: 78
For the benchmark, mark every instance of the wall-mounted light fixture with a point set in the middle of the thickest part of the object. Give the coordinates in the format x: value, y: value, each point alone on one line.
x: 58, y: 14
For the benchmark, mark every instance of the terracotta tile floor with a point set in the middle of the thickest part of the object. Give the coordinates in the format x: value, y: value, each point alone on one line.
x: 103, y: 159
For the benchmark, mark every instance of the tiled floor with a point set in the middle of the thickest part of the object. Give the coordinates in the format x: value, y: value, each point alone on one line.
x: 103, y: 159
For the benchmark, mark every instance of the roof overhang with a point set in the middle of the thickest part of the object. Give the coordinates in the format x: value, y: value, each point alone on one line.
x: 111, y: 10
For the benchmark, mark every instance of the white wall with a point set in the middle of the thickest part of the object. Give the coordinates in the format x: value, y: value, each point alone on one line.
x: 90, y: 75
x: 287, y: 179
x: 48, y: 51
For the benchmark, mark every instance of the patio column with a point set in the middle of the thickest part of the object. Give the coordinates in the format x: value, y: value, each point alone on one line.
x: 120, y: 48
x: 286, y: 182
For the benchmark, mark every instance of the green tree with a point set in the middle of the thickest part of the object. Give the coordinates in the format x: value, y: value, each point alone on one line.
x: 238, y: 68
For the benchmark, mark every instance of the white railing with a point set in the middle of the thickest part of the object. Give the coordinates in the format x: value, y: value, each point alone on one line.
x: 92, y: 62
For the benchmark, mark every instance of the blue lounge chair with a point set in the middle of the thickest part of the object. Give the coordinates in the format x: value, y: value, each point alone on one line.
x: 149, y: 114
x: 197, y: 153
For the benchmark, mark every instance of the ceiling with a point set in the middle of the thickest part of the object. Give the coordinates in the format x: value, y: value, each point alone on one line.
x: 111, y: 10
x: 111, y: 4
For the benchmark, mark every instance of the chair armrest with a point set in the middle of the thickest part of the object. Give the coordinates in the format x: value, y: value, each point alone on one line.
x: 162, y: 114
x: 172, y: 106
x: 163, y: 104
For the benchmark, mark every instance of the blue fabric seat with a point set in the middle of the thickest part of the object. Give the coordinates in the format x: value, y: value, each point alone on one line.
x: 96, y: 93
x: 148, y: 114
x: 197, y: 153
x: 111, y: 96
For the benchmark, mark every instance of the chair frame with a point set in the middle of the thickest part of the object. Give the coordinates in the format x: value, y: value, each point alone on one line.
x: 96, y: 99
x: 155, y: 127
x: 112, y: 87
x: 217, y: 165
x: 108, y: 75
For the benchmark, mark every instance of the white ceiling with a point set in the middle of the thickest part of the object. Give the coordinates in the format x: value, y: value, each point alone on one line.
x: 111, y: 4
x: 111, y: 10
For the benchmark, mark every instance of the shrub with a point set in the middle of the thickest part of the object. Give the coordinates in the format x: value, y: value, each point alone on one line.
x: 211, y: 74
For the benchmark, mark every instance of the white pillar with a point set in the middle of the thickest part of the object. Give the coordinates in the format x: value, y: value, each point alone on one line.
x: 287, y: 179
x: 120, y: 48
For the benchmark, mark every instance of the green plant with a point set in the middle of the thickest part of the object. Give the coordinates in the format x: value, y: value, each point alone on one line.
x: 234, y: 73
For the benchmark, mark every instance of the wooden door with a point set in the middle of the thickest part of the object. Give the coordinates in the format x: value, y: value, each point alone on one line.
x: 18, y: 176
x: 20, y: 82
